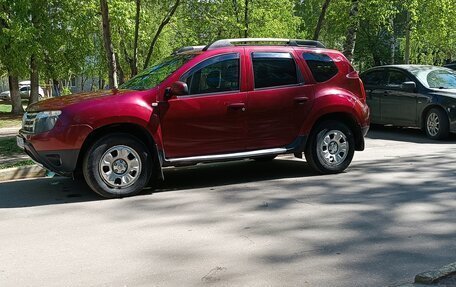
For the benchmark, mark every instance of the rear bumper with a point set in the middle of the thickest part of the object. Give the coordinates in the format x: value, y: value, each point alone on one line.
x: 62, y: 162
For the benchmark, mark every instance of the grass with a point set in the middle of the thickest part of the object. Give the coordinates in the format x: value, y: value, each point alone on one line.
x: 17, y: 164
x: 8, y: 120
x: 8, y: 146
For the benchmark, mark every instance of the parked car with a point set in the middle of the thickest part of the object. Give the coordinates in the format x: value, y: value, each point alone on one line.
x: 226, y: 101
x: 451, y: 65
x: 24, y: 91
x: 413, y: 96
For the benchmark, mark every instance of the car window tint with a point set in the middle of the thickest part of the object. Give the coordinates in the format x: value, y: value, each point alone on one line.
x: 215, y: 75
x: 274, y: 69
x: 321, y: 66
x: 23, y: 89
x: 375, y: 78
x: 396, y: 78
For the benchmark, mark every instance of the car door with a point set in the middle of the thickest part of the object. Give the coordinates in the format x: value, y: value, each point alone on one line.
x: 211, y: 118
x: 398, y: 105
x: 375, y: 84
x: 279, y: 100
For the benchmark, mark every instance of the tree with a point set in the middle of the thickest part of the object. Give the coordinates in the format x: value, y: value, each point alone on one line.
x: 350, y: 40
x: 321, y: 19
x: 162, y: 25
x: 110, y: 55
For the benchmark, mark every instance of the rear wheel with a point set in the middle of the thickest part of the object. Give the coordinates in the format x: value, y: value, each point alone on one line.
x: 117, y: 165
x: 330, y: 148
x: 436, y: 124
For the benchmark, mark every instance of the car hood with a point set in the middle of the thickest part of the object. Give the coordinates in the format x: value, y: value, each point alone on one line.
x: 59, y: 103
x: 445, y: 92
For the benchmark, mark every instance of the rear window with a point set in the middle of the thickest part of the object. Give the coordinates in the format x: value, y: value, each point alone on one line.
x: 321, y: 66
x: 274, y: 69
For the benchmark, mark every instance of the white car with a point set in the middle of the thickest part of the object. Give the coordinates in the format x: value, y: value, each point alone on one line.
x: 23, y: 90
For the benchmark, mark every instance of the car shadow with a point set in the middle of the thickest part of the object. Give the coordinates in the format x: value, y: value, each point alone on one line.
x: 405, y: 135
x: 237, y: 172
x: 44, y: 191
x: 60, y: 190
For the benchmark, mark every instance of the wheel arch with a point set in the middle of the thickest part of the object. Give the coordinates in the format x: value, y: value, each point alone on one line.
x: 128, y: 128
x: 425, y: 112
x: 349, y: 120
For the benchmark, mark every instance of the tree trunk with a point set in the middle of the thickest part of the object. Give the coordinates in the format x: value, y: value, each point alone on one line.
x: 165, y: 21
x: 16, y: 102
x: 121, y: 72
x: 350, y: 41
x: 393, y: 42
x: 56, y: 85
x: 321, y: 19
x: 134, y: 64
x: 34, y: 81
x: 407, y: 40
x: 236, y: 13
x: 246, y: 19
x: 108, y: 44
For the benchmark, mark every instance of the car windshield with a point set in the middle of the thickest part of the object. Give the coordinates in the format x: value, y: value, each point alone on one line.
x: 154, y: 75
x: 436, y: 78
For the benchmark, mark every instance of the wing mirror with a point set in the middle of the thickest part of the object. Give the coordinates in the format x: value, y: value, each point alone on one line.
x: 408, y: 86
x: 177, y: 89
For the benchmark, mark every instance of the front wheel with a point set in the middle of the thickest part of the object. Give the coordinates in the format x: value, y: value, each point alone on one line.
x: 330, y: 148
x: 437, y: 126
x: 117, y: 165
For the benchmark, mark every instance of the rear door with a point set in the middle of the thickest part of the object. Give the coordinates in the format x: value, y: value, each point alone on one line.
x: 375, y: 85
x: 398, y: 105
x: 279, y: 99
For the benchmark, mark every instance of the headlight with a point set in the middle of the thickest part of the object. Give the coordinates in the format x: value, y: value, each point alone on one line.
x: 46, y: 120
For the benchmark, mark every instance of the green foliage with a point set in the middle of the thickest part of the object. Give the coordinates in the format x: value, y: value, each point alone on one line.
x: 66, y: 35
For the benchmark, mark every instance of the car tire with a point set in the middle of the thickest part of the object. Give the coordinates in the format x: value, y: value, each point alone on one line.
x: 330, y: 148
x: 436, y: 124
x: 117, y: 165
x: 265, y: 158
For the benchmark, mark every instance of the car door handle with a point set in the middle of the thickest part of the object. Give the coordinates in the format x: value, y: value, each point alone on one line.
x: 301, y: 100
x: 236, y: 106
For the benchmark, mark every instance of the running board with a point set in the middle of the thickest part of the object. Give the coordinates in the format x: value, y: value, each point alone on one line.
x: 229, y: 156
x: 296, y: 147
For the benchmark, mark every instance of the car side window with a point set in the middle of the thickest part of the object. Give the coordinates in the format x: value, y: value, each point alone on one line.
x: 214, y: 75
x: 396, y: 78
x: 23, y: 89
x: 321, y: 66
x: 375, y: 78
x: 274, y: 69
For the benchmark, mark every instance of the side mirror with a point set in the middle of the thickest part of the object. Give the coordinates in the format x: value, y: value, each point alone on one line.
x: 408, y: 86
x: 177, y: 89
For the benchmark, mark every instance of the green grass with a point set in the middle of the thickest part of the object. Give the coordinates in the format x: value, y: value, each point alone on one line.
x: 8, y: 120
x: 17, y: 164
x: 9, y: 147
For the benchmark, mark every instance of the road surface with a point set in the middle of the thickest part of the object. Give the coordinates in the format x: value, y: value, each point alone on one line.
x: 391, y: 215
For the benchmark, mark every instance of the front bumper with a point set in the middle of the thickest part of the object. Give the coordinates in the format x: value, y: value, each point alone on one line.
x: 62, y: 162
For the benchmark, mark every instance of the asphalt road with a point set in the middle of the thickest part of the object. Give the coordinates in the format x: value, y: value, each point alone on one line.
x: 391, y: 215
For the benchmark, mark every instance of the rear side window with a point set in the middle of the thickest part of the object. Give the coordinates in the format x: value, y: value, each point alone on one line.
x: 375, y: 78
x: 274, y: 69
x: 321, y: 66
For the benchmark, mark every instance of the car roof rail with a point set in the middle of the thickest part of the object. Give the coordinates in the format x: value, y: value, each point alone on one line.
x: 246, y: 41
x: 188, y: 49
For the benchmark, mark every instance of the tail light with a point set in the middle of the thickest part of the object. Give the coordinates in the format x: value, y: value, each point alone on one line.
x: 358, y: 86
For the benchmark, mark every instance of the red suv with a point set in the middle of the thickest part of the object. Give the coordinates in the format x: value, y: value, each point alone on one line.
x: 233, y: 99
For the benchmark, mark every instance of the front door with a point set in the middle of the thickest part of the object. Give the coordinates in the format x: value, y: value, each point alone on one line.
x: 398, y: 105
x: 210, y: 119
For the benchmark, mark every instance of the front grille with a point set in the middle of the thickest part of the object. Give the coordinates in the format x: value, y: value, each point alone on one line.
x: 28, y: 122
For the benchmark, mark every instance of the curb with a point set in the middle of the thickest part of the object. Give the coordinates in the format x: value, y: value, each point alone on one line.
x: 429, y: 278
x: 432, y: 276
x: 22, y: 172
